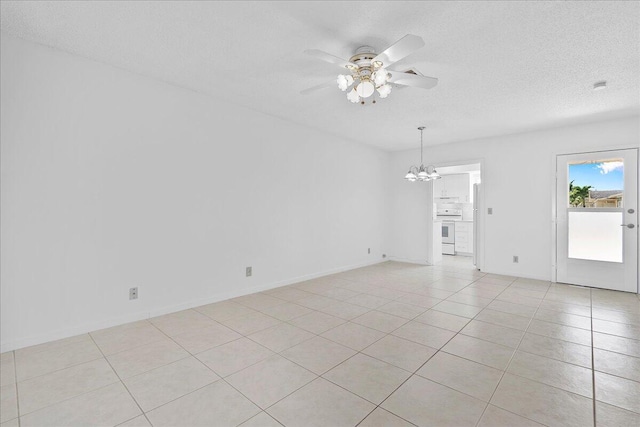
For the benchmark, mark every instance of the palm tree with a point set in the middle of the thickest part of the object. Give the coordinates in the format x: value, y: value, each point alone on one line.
x: 578, y: 195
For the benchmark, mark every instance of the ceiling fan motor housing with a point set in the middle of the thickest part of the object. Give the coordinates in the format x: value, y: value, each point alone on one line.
x: 363, y: 57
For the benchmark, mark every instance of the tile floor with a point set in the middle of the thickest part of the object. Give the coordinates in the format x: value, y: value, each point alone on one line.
x: 388, y: 345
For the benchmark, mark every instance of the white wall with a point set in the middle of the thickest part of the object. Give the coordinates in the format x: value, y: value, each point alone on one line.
x: 112, y: 180
x: 517, y: 176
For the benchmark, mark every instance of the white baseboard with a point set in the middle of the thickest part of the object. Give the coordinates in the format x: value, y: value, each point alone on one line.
x: 70, y: 332
x: 253, y: 290
x: 523, y: 276
x: 408, y: 260
x: 108, y: 323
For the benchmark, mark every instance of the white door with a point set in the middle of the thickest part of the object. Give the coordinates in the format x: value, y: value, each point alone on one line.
x: 597, y: 227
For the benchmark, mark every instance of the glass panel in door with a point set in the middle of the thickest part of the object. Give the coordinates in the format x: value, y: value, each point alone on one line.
x: 595, y: 209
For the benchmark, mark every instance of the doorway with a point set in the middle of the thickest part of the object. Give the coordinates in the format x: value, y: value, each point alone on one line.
x: 456, y: 199
x: 597, y: 219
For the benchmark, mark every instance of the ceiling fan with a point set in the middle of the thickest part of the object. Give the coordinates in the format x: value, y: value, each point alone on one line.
x: 368, y: 72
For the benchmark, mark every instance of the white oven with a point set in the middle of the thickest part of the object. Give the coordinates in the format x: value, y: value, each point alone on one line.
x: 448, y: 215
x: 448, y: 238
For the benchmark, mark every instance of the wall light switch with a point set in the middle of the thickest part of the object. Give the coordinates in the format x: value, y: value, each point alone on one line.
x: 490, y: 211
x: 249, y: 271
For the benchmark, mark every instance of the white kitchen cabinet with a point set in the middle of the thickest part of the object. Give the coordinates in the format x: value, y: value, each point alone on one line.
x: 452, y: 186
x: 464, y: 237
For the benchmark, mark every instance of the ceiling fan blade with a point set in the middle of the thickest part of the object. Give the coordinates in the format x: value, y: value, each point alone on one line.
x: 413, y: 80
x: 403, y: 47
x: 318, y: 87
x: 329, y: 58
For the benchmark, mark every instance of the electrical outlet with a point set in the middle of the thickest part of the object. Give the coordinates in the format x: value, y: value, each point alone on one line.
x: 490, y: 211
x: 384, y: 255
x: 133, y: 293
x: 249, y: 271
x: 515, y: 259
x: 368, y: 250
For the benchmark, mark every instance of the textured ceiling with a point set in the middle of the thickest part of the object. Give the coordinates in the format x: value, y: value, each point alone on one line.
x: 504, y: 67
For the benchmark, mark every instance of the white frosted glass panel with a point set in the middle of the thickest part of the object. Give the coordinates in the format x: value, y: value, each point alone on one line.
x: 595, y: 236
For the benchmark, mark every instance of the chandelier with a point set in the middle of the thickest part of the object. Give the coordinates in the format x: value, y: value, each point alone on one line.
x: 367, y: 77
x: 422, y: 173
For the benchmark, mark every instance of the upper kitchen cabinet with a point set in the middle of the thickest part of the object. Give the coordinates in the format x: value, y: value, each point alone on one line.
x: 453, y: 187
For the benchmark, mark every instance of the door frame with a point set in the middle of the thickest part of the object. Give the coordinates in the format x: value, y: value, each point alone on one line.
x: 554, y: 198
x: 481, y: 218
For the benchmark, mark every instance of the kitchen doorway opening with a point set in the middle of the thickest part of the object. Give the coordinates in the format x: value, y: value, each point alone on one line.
x: 456, y: 216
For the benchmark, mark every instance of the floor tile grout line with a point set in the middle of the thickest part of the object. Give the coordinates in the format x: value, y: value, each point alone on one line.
x: 514, y: 349
x: 423, y: 364
x: 577, y: 394
x: 376, y: 405
x: 60, y: 369
x: 266, y: 413
x: 614, y: 335
x: 70, y: 398
x: 167, y: 364
x: 553, y: 358
x: 279, y: 354
x: 559, y: 339
x: 221, y: 378
x: 504, y: 371
x: 458, y: 332
x: 413, y: 374
x: 55, y: 370
x: 326, y: 379
x: 120, y: 379
x: 382, y: 409
x: 593, y: 364
x: 558, y: 388
x: 15, y: 378
x: 338, y: 364
x: 616, y: 376
x: 513, y: 353
x: 21, y: 350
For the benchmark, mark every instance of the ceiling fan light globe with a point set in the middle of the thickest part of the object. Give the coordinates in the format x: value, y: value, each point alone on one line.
x: 380, y: 77
x: 342, y: 82
x: 384, y: 90
x: 365, y: 89
x: 353, y: 96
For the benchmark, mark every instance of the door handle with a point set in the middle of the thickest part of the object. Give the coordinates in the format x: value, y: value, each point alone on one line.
x: 628, y: 225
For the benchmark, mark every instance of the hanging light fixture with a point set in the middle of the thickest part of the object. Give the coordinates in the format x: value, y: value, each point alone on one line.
x: 367, y: 77
x: 422, y: 173
x: 369, y: 74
